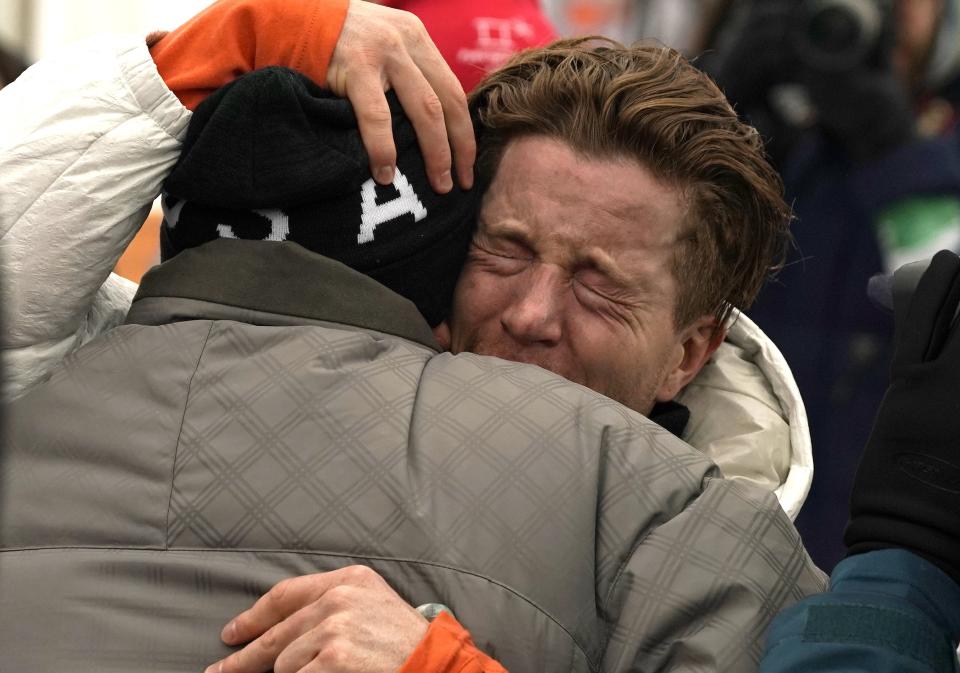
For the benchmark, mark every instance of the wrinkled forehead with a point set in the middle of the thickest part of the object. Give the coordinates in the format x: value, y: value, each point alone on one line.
x: 548, y: 189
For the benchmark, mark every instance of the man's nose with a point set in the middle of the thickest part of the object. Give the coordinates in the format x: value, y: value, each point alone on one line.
x: 534, y: 315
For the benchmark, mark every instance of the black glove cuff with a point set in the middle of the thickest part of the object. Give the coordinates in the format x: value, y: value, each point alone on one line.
x: 870, y: 533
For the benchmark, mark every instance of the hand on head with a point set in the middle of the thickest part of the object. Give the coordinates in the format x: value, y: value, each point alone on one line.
x: 376, y: 49
x: 382, y: 48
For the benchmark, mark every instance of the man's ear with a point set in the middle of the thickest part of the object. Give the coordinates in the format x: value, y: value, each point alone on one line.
x: 442, y: 333
x: 695, y: 344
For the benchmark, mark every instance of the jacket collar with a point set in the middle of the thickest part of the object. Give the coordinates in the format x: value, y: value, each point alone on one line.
x: 280, y: 283
x: 671, y: 416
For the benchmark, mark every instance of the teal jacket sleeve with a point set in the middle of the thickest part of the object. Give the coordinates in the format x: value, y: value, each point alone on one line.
x: 886, y: 611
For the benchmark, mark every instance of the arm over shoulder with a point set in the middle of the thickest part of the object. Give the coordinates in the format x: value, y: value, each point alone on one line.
x: 249, y: 35
x: 86, y: 139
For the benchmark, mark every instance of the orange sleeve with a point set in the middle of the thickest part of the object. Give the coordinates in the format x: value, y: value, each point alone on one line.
x: 447, y: 648
x: 233, y: 37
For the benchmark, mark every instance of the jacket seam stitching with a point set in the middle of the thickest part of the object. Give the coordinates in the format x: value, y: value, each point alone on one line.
x: 149, y: 110
x: 299, y: 52
x: 301, y: 552
x: 176, y: 446
x: 623, y: 565
x: 594, y: 665
x: 633, y: 550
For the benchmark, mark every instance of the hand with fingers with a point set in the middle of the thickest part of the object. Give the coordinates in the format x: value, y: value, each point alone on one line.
x: 376, y: 49
x: 906, y: 493
x: 382, y: 48
x: 343, y: 621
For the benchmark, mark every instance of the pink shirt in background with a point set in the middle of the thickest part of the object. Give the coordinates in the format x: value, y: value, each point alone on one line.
x: 477, y: 37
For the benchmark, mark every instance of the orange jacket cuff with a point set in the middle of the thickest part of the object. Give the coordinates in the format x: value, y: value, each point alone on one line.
x: 447, y: 648
x: 234, y: 37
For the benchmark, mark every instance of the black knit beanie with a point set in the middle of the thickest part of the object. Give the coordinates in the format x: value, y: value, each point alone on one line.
x: 273, y: 157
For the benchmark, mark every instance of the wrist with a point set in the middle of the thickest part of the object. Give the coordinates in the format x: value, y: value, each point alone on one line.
x: 447, y: 648
x: 902, y: 575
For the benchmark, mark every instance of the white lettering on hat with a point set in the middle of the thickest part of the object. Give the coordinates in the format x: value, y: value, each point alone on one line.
x: 279, y: 226
x: 375, y: 214
x: 171, y: 214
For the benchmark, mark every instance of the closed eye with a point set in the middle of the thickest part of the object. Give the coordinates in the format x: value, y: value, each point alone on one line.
x: 590, y: 295
x: 503, y: 247
x: 502, y: 260
x: 597, y: 291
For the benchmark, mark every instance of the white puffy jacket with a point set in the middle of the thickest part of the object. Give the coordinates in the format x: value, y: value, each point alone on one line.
x: 87, y: 137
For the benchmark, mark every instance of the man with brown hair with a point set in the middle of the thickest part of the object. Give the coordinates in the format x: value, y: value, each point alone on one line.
x: 625, y: 209
x: 627, y: 214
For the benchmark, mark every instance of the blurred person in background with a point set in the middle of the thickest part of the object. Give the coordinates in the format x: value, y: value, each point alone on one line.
x: 675, y: 23
x: 478, y: 37
x: 857, y: 102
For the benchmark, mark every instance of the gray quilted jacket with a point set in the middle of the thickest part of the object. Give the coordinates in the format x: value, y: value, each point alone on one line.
x: 265, y: 412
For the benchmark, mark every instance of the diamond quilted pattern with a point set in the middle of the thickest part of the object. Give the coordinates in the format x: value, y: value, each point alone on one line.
x: 498, y: 488
x: 293, y: 438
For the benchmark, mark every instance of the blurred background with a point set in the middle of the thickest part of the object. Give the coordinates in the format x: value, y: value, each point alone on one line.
x: 856, y: 101
x: 35, y: 27
x: 31, y: 28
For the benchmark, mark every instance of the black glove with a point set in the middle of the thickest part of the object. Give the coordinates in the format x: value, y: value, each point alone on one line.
x: 866, y: 110
x: 907, y: 490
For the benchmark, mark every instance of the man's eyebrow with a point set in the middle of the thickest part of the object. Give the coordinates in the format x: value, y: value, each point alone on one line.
x: 601, y: 261
x: 506, y: 228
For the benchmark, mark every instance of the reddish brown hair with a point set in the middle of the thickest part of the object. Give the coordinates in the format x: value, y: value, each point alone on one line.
x: 648, y: 103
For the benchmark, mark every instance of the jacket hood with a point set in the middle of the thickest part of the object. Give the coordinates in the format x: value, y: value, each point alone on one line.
x: 747, y: 415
